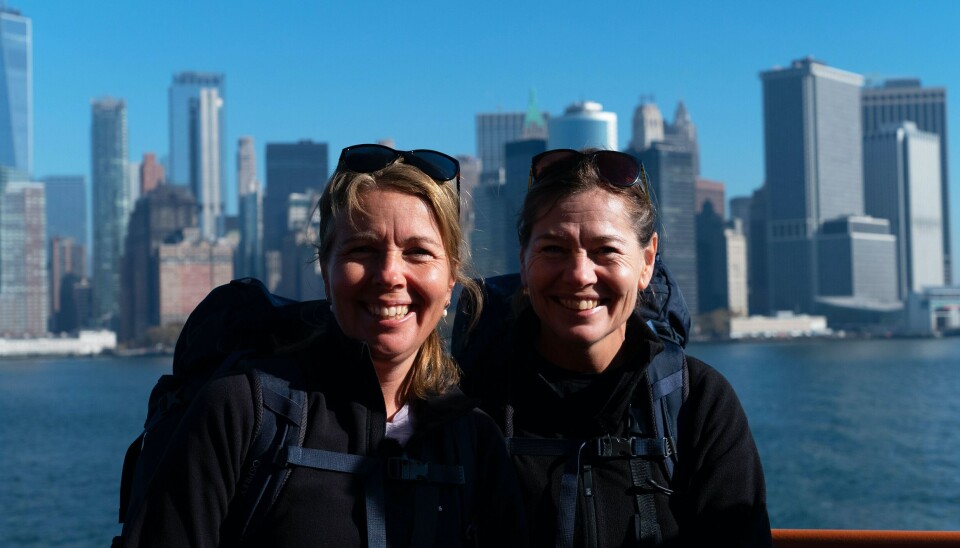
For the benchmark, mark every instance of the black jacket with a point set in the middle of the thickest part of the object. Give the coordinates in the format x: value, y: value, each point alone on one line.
x: 189, y: 501
x: 719, y: 495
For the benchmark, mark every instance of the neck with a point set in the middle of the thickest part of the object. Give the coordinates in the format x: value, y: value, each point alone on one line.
x: 583, y: 358
x: 393, y: 384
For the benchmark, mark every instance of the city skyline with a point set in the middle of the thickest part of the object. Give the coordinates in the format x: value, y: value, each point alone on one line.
x: 331, y: 73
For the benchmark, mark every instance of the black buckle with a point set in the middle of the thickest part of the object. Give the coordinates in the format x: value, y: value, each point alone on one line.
x: 612, y: 447
x: 404, y: 469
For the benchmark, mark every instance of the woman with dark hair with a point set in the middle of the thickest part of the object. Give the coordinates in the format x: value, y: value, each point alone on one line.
x: 571, y: 379
x: 392, y: 453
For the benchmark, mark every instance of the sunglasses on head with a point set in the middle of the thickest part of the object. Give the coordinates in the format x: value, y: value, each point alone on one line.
x: 616, y: 168
x: 369, y: 158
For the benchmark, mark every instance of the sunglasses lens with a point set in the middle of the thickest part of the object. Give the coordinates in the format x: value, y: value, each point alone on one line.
x: 617, y: 168
x: 434, y: 164
x: 368, y: 158
x: 551, y: 159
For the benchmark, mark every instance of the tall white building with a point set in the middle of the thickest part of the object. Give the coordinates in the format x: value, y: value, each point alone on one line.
x: 902, y: 185
x: 197, y: 145
x: 736, y: 265
x: 905, y: 99
x: 583, y: 124
x: 647, y: 126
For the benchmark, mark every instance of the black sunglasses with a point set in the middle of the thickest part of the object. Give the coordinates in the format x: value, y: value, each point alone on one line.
x: 369, y: 158
x: 619, y: 169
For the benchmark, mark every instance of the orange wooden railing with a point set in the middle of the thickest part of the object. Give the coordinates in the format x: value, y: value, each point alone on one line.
x: 829, y: 538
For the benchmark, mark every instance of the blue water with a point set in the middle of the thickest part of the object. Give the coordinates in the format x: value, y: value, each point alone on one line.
x: 853, y: 434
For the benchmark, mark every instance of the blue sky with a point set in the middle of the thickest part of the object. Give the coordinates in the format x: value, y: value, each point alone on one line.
x: 418, y: 72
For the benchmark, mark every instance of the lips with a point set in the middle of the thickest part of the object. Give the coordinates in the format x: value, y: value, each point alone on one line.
x: 579, y: 304
x: 389, y: 312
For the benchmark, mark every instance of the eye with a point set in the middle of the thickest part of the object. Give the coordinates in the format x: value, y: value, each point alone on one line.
x: 359, y: 249
x: 552, y: 249
x: 419, y: 253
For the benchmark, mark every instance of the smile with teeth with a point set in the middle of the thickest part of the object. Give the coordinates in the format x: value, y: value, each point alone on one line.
x: 389, y: 312
x: 579, y: 304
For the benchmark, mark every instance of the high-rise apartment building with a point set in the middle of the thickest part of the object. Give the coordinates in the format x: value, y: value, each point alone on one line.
x: 902, y: 185
x: 111, y: 203
x: 24, y: 304
x: 813, y: 159
x: 16, y: 91
x: 705, y: 191
x: 250, y: 252
x: 906, y: 100
x: 584, y: 124
x: 197, y: 140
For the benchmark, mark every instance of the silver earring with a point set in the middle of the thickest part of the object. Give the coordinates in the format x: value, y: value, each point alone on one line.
x: 331, y: 306
x: 444, y: 313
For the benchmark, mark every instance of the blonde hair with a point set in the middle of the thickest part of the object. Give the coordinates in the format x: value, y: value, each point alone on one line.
x: 433, y: 371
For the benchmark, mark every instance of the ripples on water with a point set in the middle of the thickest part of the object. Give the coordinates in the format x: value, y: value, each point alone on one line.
x: 853, y: 434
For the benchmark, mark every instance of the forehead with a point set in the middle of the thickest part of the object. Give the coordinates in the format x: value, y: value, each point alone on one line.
x: 593, y: 207
x: 390, y: 210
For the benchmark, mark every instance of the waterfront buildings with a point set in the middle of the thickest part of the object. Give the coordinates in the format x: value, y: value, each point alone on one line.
x: 197, y: 140
x: 16, y: 91
x: 187, y: 271
x: 161, y: 216
x: 902, y: 185
x: 24, y: 289
x: 584, y: 124
x: 905, y: 99
x: 111, y: 203
x: 813, y: 151
x: 67, y: 260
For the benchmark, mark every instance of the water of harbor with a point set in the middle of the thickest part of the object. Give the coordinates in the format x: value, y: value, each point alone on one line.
x: 853, y: 434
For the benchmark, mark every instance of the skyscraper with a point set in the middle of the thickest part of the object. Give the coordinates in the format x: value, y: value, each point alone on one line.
x: 583, y: 124
x: 813, y: 159
x: 197, y: 145
x: 16, y: 91
x: 111, y: 203
x: 24, y: 305
x: 250, y: 253
x: 300, y: 167
x: 904, y: 100
x: 67, y: 207
x: 159, y: 216
x: 902, y: 185
x: 670, y: 171
x: 493, y: 131
x: 647, y: 125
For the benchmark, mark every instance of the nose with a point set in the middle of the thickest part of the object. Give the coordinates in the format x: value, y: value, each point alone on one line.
x: 582, y: 271
x: 390, y: 271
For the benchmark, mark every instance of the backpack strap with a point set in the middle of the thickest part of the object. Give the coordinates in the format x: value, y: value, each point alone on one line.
x: 283, y: 411
x: 667, y: 374
x: 376, y: 470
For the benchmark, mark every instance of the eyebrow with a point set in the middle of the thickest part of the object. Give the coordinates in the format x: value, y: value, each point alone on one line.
x: 595, y: 240
x: 367, y: 236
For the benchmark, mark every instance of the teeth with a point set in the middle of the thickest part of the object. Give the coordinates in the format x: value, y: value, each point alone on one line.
x: 390, y: 312
x: 579, y: 304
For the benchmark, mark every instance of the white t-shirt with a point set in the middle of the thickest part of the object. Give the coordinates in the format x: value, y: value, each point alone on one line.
x: 401, y: 427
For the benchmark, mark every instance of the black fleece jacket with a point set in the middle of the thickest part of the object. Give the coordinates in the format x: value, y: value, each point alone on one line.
x: 719, y: 494
x: 189, y: 501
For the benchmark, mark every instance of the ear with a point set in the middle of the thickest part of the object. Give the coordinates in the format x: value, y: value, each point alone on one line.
x: 649, y: 257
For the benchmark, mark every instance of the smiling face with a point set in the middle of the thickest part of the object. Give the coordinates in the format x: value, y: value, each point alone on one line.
x: 582, y: 267
x: 388, y: 275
